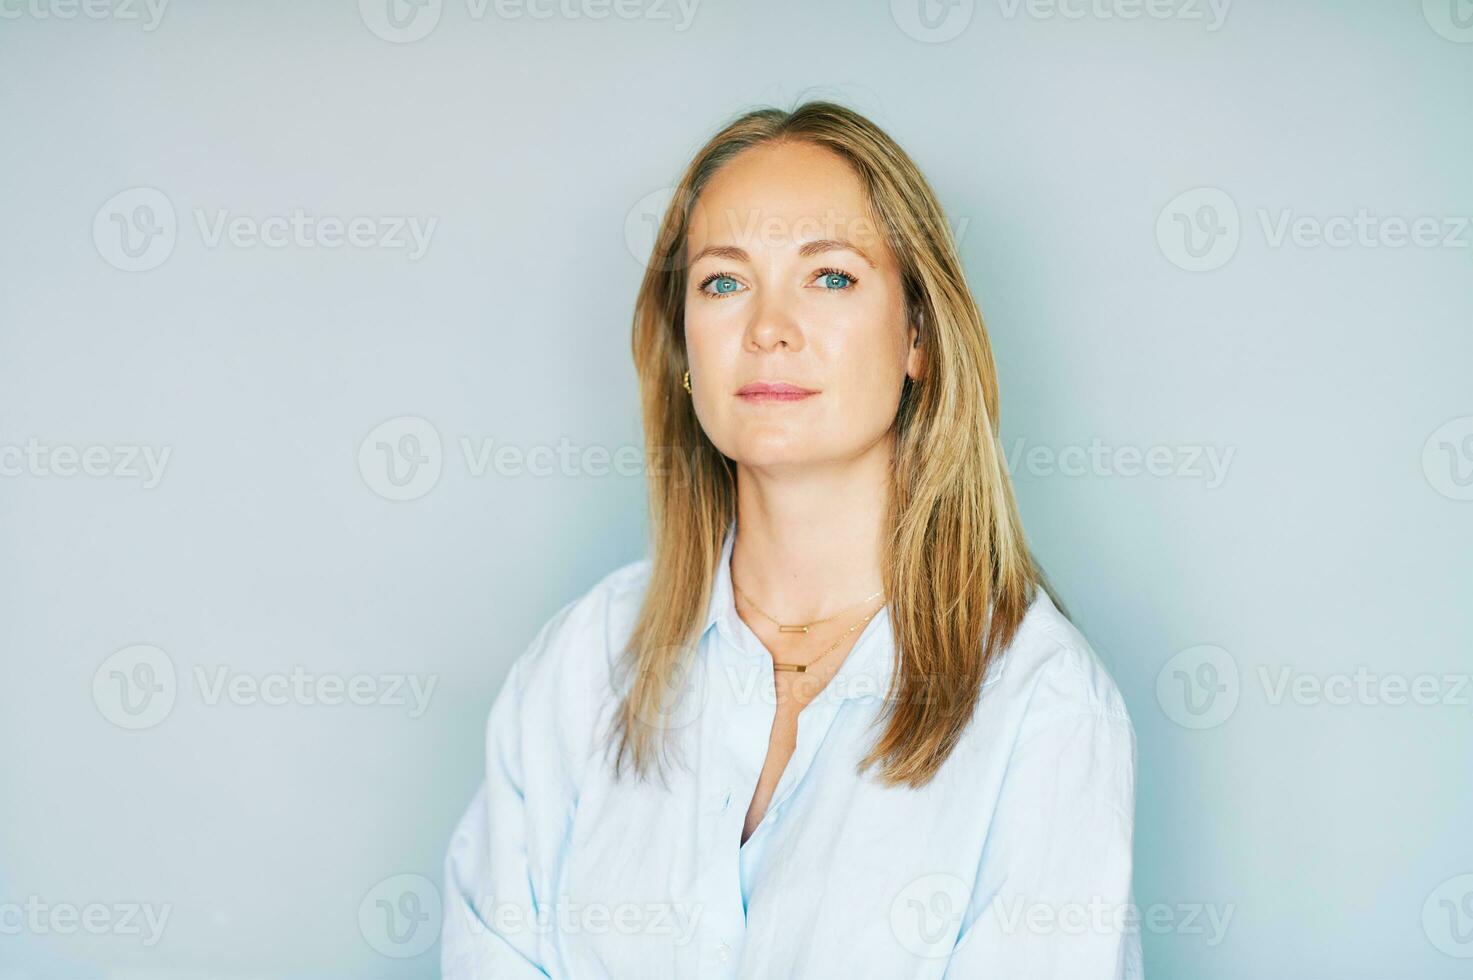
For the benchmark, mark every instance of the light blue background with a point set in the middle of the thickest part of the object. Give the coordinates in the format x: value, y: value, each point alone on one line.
x: 1055, y: 144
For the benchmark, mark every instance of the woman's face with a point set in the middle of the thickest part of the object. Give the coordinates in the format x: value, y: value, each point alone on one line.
x: 792, y: 284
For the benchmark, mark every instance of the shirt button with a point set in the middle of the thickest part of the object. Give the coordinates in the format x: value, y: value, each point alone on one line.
x: 723, y: 951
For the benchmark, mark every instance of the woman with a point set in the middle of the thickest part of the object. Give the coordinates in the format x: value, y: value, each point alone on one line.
x: 834, y: 726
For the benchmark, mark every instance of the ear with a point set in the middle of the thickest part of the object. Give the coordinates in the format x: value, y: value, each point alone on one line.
x: 915, y: 357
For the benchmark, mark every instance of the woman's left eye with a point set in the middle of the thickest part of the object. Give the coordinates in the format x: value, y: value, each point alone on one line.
x: 834, y: 279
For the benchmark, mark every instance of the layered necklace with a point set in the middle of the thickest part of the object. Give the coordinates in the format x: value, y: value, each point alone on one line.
x: 804, y: 627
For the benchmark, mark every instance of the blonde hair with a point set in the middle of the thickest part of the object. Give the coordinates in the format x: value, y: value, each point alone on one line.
x: 956, y: 566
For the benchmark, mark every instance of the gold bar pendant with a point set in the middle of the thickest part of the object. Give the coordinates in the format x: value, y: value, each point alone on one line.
x: 792, y: 629
x: 795, y: 668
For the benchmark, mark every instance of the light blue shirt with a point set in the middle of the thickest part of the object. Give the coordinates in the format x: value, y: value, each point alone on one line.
x: 1013, y: 862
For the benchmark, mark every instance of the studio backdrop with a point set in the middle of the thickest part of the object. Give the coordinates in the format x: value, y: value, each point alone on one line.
x: 316, y: 401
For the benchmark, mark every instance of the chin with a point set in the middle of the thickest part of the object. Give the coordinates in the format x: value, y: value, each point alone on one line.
x: 774, y: 452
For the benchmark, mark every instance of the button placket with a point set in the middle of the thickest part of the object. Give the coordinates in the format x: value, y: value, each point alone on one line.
x: 726, y: 722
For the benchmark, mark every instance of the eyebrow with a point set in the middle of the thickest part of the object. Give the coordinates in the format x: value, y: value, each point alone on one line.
x: 807, y: 250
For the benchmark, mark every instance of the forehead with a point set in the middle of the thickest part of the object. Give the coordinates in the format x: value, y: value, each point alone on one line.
x: 781, y: 195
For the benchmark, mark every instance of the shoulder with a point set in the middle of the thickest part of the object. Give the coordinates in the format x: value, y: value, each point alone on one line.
x: 558, y: 695
x: 544, y: 724
x: 1050, y: 671
x: 570, y: 659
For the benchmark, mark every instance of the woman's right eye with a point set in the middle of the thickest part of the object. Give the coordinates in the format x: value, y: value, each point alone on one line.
x: 719, y: 284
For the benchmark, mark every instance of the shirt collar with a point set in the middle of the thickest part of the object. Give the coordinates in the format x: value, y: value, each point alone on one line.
x: 721, y: 610
x: 865, y: 672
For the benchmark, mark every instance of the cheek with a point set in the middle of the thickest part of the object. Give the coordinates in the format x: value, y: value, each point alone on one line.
x: 705, y: 326
x: 867, y: 349
x: 864, y: 370
x: 697, y: 334
x: 869, y: 392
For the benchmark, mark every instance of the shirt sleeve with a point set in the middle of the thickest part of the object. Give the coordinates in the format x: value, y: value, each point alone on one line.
x: 1053, y: 894
x: 490, y: 927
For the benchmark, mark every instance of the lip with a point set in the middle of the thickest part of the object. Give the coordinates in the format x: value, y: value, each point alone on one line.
x: 776, y: 391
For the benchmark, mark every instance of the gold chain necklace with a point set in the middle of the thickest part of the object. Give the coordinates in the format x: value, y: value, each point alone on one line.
x: 802, y: 668
x: 800, y: 628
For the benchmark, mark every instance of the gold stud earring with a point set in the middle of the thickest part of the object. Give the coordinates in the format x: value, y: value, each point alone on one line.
x: 687, y: 381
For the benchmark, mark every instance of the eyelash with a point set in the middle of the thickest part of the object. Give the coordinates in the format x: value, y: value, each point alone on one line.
x: 818, y: 274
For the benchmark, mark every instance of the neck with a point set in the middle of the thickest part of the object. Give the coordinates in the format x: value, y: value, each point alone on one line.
x: 810, y: 540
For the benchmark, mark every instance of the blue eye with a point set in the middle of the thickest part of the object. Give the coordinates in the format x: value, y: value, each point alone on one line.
x: 723, y: 284
x: 834, y: 279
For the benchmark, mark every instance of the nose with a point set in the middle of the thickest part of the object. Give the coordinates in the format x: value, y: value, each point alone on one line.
x: 773, y: 324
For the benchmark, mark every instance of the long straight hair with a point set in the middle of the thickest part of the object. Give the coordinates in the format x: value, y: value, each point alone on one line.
x: 957, y: 568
